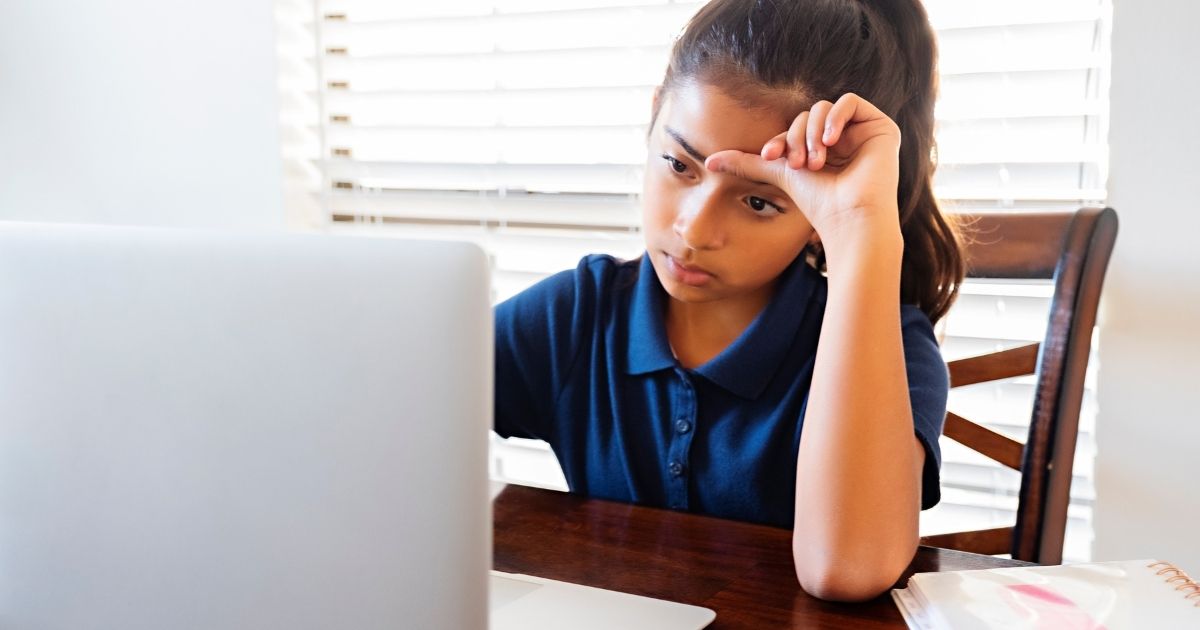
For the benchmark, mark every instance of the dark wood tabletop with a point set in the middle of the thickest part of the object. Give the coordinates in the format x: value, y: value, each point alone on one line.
x: 742, y: 571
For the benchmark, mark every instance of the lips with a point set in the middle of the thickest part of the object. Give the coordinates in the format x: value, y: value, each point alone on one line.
x: 691, y: 275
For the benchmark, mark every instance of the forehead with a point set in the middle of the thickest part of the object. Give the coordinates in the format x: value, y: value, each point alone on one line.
x: 711, y: 121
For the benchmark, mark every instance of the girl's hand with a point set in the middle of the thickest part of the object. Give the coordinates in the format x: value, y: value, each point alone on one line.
x: 838, y: 162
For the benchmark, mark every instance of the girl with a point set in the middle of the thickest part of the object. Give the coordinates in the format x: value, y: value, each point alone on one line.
x: 771, y: 357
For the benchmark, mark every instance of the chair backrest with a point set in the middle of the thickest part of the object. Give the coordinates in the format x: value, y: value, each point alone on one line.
x: 1073, y: 249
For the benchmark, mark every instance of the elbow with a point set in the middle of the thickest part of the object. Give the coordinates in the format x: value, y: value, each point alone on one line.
x: 848, y: 578
x: 837, y: 586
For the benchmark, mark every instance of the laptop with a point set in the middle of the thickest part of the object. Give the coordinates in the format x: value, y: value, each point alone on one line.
x: 251, y: 430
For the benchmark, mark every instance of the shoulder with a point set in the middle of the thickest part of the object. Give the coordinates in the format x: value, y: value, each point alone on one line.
x: 918, y: 331
x: 915, y: 322
x: 606, y: 273
x: 541, y: 333
x: 569, y: 294
x: 922, y: 352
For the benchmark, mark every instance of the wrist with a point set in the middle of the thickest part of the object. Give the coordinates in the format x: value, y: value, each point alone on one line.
x: 864, y: 236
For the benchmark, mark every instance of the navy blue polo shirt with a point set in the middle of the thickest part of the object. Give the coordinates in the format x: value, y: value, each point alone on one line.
x: 583, y: 362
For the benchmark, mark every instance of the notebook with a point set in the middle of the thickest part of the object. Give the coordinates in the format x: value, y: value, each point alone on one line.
x: 1092, y: 596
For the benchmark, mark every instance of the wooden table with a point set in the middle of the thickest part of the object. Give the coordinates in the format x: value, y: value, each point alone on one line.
x: 742, y: 571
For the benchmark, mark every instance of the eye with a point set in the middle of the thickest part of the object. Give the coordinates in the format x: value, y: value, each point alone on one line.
x: 676, y: 165
x: 762, y: 207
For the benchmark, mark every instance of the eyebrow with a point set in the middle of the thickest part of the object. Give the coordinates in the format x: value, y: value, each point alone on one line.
x: 699, y: 157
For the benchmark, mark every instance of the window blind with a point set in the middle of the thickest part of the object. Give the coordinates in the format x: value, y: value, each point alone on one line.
x: 521, y: 124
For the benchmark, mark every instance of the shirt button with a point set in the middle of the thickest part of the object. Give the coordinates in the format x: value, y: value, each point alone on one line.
x: 683, y: 426
x: 676, y: 468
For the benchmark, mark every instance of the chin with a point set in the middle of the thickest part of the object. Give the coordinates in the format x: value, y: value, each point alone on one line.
x: 691, y: 295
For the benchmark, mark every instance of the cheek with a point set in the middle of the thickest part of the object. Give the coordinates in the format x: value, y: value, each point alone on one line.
x: 792, y: 238
x: 776, y: 245
x: 790, y: 241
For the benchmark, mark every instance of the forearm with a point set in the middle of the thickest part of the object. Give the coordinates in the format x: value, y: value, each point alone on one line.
x: 858, y: 470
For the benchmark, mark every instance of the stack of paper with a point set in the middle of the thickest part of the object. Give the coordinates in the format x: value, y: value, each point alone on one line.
x: 1133, y: 594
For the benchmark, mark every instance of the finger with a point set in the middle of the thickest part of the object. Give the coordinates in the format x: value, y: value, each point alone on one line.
x: 797, y: 152
x: 774, y: 147
x: 850, y: 108
x: 812, y: 138
x: 745, y: 165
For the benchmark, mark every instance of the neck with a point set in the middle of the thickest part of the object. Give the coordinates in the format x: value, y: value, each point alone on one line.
x: 699, y: 331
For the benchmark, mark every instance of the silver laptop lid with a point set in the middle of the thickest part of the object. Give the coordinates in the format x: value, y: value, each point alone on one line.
x: 216, y: 430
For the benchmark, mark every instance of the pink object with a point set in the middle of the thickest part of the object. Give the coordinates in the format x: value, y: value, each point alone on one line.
x: 1051, y: 610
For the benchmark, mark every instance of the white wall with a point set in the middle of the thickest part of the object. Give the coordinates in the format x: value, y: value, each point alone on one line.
x: 1148, y: 427
x: 157, y: 112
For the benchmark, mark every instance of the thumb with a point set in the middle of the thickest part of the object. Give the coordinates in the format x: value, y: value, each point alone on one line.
x: 747, y: 166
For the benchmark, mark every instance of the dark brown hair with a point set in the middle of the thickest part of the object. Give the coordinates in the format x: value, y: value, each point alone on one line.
x: 793, y: 53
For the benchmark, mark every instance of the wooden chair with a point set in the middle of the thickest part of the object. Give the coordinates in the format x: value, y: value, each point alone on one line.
x: 1073, y: 249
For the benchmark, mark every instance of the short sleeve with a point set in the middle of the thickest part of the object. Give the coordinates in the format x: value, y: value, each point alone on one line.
x: 537, y: 337
x: 928, y: 388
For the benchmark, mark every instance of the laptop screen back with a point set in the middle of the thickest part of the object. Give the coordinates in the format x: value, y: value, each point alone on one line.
x: 215, y: 430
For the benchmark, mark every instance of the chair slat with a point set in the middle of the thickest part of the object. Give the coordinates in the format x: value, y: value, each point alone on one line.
x: 984, y: 541
x: 994, y: 366
x: 985, y: 441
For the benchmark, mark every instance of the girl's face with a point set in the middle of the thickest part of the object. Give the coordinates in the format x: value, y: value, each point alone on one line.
x: 713, y: 236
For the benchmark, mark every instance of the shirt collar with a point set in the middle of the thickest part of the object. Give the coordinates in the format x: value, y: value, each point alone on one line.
x: 649, y: 349
x: 746, y: 367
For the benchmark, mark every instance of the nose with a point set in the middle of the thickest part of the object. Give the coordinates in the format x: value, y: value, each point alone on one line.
x: 699, y: 222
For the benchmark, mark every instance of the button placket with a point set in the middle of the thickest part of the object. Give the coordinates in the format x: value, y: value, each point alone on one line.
x: 681, y: 427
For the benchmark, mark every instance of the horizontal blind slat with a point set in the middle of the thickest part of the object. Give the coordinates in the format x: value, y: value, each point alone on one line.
x: 367, y: 178
x: 609, y: 213
x: 490, y: 178
x: 560, y: 30
x: 947, y: 15
x: 362, y: 11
